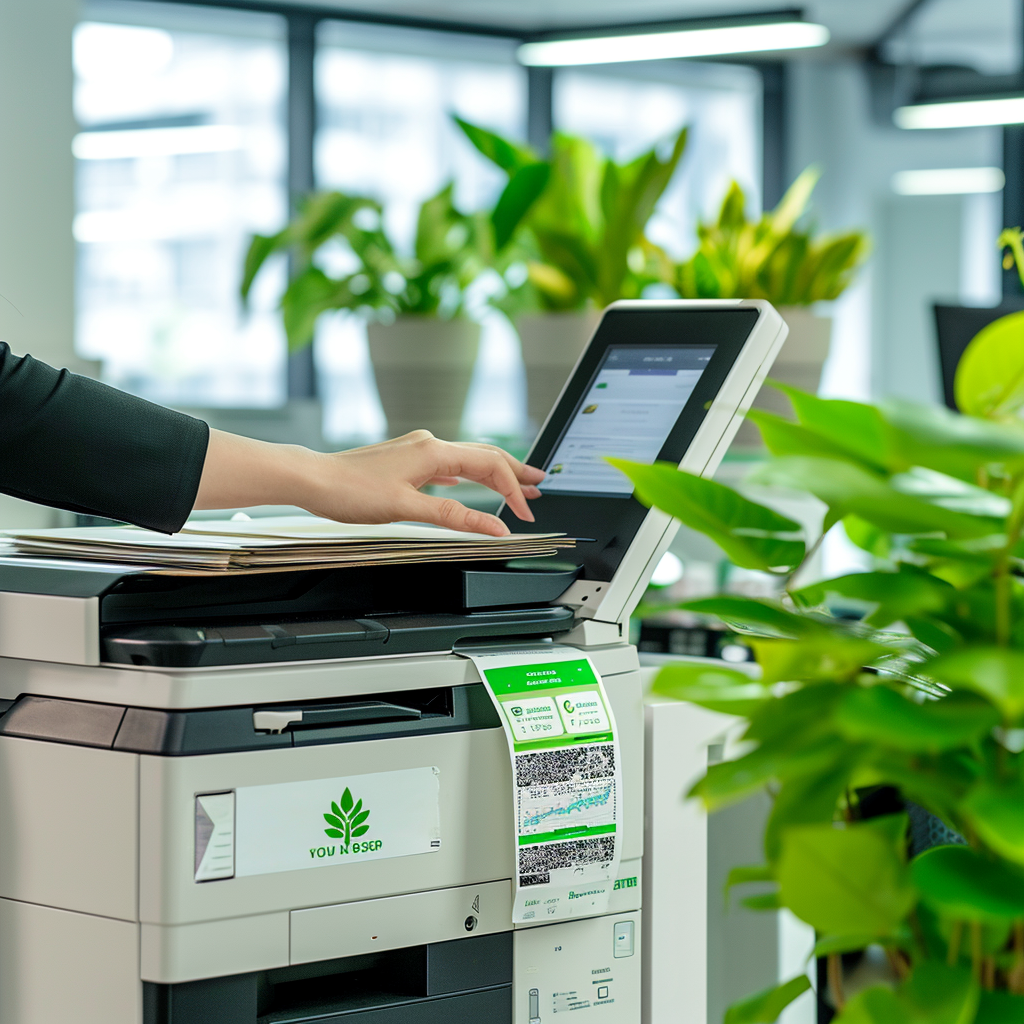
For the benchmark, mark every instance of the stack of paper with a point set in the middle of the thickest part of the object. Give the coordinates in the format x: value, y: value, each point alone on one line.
x: 275, y: 544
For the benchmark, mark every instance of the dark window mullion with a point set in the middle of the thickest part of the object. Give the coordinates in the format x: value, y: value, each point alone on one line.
x: 301, y: 131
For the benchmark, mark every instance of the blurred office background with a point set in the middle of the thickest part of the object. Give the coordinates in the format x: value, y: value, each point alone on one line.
x: 142, y: 143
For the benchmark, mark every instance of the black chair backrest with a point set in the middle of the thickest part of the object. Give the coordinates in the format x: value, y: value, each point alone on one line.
x: 956, y: 327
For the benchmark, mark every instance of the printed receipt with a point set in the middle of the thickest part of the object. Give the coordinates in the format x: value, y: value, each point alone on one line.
x: 566, y: 780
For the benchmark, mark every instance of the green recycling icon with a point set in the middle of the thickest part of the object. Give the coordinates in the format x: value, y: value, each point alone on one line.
x: 347, y: 821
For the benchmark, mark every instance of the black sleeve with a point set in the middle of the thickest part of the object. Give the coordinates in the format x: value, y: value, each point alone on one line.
x: 73, y: 443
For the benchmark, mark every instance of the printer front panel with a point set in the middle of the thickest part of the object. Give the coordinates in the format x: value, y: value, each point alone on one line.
x: 474, y: 777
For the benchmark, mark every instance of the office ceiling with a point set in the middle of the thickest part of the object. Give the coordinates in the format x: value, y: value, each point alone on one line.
x: 984, y: 34
x: 853, y: 22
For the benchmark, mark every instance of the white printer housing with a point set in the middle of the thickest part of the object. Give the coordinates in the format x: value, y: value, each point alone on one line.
x: 117, y: 771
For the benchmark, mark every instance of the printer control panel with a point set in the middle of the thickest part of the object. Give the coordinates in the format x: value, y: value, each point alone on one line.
x: 590, y: 965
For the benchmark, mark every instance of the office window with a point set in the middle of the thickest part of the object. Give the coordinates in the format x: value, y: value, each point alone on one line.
x: 181, y: 155
x: 629, y: 108
x: 385, y: 99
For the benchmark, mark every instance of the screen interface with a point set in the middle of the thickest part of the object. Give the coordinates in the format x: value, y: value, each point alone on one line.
x: 628, y: 411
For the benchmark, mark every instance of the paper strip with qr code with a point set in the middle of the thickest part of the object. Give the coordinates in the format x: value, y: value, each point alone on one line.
x: 566, y: 780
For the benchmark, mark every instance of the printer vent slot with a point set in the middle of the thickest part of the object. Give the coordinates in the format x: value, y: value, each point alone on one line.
x: 461, y: 981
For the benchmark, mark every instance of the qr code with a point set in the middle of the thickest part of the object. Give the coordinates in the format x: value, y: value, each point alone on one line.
x: 541, y: 878
x: 593, y: 762
x: 539, y: 860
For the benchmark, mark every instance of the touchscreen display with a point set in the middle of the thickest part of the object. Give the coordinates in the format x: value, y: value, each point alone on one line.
x: 628, y: 411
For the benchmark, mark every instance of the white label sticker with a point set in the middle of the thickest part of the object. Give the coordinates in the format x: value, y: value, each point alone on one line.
x: 533, y: 718
x: 320, y: 823
x: 584, y: 712
x: 567, y: 780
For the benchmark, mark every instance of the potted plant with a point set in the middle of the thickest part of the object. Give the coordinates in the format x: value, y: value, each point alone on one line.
x: 907, y: 679
x: 581, y: 246
x: 771, y: 258
x: 422, y: 345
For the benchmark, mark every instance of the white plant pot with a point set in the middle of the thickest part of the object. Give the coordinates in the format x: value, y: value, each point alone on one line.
x: 551, y: 344
x: 799, y: 364
x: 423, y: 367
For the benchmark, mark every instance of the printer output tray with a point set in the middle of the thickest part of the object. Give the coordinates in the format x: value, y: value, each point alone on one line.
x: 196, y: 646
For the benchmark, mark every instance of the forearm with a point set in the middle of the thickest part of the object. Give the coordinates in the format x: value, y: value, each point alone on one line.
x: 240, y: 472
x: 376, y: 484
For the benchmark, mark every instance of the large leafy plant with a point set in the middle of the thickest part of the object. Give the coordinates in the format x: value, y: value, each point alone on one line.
x: 770, y: 258
x: 583, y: 240
x: 907, y: 680
x: 451, y: 250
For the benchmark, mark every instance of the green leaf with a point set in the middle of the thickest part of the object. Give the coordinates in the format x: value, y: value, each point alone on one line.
x: 334, y: 820
x: 847, y: 489
x: 358, y: 819
x: 507, y: 155
x: 842, y: 944
x: 876, y: 1005
x: 749, y: 873
x: 895, y: 595
x: 810, y: 798
x: 524, y: 188
x: 346, y: 800
x: 937, y: 994
x: 766, y: 1007
x: 830, y: 655
x: 879, y: 714
x: 718, y: 689
x: 734, y: 780
x: 990, y: 375
x: 361, y: 830
x: 334, y: 833
x: 867, y: 537
x: 754, y: 614
x: 995, y: 810
x: 260, y: 248
x: 856, y: 429
x: 803, y: 712
x: 940, y: 439
x: 783, y: 437
x: 994, y: 672
x: 764, y: 901
x: 746, y: 531
x: 963, y: 884
x: 844, y: 880
x: 1000, y: 1008
x: 337, y: 810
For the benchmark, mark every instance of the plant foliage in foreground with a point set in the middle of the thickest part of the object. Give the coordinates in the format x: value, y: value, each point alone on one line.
x: 923, y: 692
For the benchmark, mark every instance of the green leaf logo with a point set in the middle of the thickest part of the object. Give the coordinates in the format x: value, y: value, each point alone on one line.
x: 347, y: 820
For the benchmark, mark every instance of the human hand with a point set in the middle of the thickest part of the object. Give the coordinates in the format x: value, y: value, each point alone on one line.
x: 380, y: 483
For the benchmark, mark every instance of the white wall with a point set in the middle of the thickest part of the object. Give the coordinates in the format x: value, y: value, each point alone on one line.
x: 36, y: 193
x: 884, y: 341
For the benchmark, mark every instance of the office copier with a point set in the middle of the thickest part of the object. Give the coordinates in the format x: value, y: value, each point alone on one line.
x: 137, y: 711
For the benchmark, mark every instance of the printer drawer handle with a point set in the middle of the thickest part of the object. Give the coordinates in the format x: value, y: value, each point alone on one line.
x: 321, y: 716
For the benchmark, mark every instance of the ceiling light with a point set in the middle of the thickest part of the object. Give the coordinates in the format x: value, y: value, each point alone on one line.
x: 962, y: 113
x: 696, y: 42
x: 130, y: 143
x: 950, y: 181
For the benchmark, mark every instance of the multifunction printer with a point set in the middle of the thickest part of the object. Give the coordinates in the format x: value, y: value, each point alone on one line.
x: 140, y: 712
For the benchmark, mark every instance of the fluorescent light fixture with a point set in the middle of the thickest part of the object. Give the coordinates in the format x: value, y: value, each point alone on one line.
x: 962, y: 113
x: 948, y: 181
x: 695, y: 42
x: 130, y: 143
